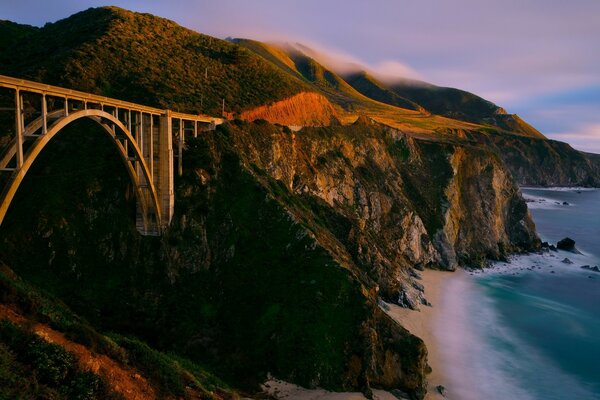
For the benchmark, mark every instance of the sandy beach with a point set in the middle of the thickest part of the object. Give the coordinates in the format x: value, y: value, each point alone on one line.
x: 420, y: 323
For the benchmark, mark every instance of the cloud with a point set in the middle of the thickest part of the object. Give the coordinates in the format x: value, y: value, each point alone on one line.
x: 393, y: 70
x: 344, y: 63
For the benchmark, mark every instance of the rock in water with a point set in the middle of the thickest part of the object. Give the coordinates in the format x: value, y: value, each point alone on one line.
x: 594, y: 268
x: 567, y: 261
x: 567, y: 244
x: 441, y: 390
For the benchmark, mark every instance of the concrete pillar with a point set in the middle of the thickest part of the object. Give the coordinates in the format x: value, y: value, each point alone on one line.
x: 19, y: 127
x: 44, y: 115
x: 140, y: 134
x: 166, y: 187
x: 151, y: 148
x: 180, y: 146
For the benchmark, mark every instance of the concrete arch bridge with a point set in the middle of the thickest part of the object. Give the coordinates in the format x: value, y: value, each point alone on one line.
x: 147, y: 139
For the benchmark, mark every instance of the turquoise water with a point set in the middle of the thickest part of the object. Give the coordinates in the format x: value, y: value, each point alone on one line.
x: 534, y: 323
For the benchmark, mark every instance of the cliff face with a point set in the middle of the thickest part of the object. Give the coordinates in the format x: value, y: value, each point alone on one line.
x: 390, y: 202
x: 541, y: 162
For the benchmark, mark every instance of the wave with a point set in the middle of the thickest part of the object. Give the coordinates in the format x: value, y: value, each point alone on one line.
x: 534, y: 201
x: 560, y: 188
x: 487, y: 356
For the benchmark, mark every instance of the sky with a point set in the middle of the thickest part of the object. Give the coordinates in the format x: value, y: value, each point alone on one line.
x: 536, y: 58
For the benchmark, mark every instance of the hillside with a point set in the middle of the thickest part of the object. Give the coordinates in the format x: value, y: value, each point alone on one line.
x: 448, y: 102
x: 47, y: 351
x: 145, y: 59
x: 370, y: 87
x: 465, y: 106
x: 485, y: 123
x: 11, y: 33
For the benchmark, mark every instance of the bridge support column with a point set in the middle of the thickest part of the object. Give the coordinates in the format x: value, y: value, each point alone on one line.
x: 19, y: 127
x: 166, y: 187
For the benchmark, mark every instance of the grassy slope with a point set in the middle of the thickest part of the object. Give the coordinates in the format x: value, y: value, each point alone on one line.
x: 370, y: 87
x: 465, y: 106
x: 406, y: 106
x: 41, y: 354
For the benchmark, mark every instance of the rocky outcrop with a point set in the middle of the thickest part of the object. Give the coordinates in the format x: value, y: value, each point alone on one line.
x: 303, y: 109
x: 541, y: 162
x: 567, y: 244
x: 390, y: 203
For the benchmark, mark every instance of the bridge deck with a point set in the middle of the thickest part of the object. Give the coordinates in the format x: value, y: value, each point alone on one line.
x: 56, y: 91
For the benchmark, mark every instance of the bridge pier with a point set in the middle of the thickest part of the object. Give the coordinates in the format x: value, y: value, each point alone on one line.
x: 166, y: 186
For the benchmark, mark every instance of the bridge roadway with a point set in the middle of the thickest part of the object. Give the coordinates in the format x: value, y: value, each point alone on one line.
x: 143, y: 137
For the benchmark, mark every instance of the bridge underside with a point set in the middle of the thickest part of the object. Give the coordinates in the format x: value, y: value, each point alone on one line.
x: 143, y: 137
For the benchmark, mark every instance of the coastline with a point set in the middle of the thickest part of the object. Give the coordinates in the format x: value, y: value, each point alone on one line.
x: 423, y: 324
x: 420, y: 323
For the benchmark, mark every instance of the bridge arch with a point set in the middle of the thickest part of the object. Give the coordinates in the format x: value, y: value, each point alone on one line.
x: 146, y: 193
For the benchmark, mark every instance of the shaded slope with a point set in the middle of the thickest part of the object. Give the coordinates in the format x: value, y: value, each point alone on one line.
x: 11, y: 33
x: 465, y: 106
x: 147, y: 59
x: 53, y: 353
x: 370, y: 87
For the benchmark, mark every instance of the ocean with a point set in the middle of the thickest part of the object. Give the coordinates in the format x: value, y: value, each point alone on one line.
x: 530, y: 328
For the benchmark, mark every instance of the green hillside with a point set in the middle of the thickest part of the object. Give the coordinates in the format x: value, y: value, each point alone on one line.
x: 11, y: 33
x: 370, y: 87
x: 464, y: 106
x: 146, y: 59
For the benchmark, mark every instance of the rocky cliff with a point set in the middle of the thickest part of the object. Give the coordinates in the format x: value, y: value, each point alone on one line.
x: 541, y: 162
x: 280, y: 248
x: 392, y: 202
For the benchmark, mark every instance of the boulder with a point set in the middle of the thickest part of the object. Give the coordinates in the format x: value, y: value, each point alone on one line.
x: 567, y: 261
x: 441, y: 390
x: 566, y: 244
